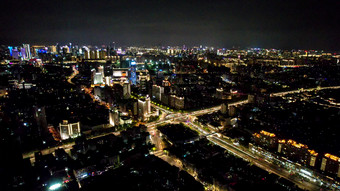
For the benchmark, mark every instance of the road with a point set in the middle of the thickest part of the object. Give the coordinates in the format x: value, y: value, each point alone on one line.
x: 172, y: 117
x: 243, y: 153
x: 75, y: 72
x: 248, y: 156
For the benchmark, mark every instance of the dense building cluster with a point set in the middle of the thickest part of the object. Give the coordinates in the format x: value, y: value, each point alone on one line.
x: 76, y: 117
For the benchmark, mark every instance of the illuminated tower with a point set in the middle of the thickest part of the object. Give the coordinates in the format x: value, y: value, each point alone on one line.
x: 144, y: 108
x: 101, y: 70
x: 15, y: 54
x: 113, y: 117
x: 27, y: 51
x: 148, y: 104
x: 23, y: 53
x: 133, y: 77
x: 10, y: 48
x: 98, y: 78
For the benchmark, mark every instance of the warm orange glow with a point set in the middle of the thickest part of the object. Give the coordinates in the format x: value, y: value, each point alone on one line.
x: 282, y: 141
x: 297, y: 145
x: 257, y: 135
x: 332, y: 157
x: 312, y: 152
x: 267, y: 133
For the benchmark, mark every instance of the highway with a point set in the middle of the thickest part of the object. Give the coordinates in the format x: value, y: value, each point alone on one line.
x: 248, y: 156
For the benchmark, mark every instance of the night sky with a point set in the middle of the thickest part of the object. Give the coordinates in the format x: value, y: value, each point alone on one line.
x: 282, y: 24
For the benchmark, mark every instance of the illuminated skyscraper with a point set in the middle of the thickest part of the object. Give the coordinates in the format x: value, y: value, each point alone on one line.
x: 10, y: 48
x: 133, y: 77
x: 97, y: 54
x: 101, y: 70
x: 27, y: 51
x: 53, y: 49
x: 157, y: 92
x: 114, y: 117
x: 98, y: 78
x: 144, y: 108
x: 23, y: 53
x: 15, y: 54
x: 107, y: 80
x: 176, y: 102
x: 148, y: 104
x: 143, y: 83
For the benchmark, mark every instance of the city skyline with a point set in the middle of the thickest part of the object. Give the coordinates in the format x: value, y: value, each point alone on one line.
x: 170, y: 95
x: 266, y: 24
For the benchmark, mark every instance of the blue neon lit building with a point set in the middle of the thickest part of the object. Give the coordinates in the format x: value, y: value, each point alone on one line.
x: 133, y: 68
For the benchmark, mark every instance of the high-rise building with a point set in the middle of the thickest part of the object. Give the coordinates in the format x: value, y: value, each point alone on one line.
x: 66, y: 49
x: 120, y: 75
x: 92, y: 55
x: 251, y: 98
x: 40, y: 117
x: 108, y: 80
x: 157, y: 92
x: 98, y: 78
x: 87, y: 54
x: 102, y: 54
x: 176, y: 102
x: 53, y: 49
x: 331, y: 164
x: 69, y: 130
x: 219, y: 93
x: 114, y: 117
x: 143, y: 84
x: 266, y: 139
x: 297, y: 152
x: 23, y: 53
x: 126, y: 90
x: 232, y: 111
x: 166, y: 83
x: 165, y: 97
x: 27, y: 51
x: 135, y: 108
x: 160, y: 73
x: 224, y: 108
x: 10, y: 48
x: 133, y: 75
x: 144, y: 108
x: 101, y: 71
x: 15, y: 54
x: 98, y: 92
x: 148, y: 104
